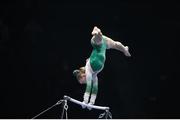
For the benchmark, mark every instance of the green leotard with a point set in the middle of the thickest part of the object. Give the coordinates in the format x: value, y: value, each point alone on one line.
x: 98, y: 55
x: 97, y: 60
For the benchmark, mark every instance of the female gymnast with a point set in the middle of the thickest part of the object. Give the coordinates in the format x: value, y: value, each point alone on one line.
x: 95, y: 63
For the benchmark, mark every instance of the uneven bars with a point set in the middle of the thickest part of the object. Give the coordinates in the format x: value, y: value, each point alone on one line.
x: 87, y: 105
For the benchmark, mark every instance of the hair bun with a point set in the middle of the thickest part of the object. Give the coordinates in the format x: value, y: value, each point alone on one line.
x: 75, y: 72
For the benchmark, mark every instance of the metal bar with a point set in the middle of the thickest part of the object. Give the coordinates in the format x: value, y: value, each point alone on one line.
x: 87, y: 105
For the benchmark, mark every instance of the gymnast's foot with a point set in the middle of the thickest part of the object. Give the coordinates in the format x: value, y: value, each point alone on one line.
x: 96, y: 31
x: 126, y: 52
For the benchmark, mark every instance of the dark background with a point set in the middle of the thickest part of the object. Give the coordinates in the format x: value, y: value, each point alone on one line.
x: 42, y: 42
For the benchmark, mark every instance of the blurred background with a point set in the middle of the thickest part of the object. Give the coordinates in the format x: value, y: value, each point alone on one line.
x: 42, y: 42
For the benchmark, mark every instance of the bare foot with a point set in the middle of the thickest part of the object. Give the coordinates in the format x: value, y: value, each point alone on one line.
x: 127, y: 52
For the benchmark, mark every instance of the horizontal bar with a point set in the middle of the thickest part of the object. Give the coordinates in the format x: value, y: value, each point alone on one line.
x: 87, y: 105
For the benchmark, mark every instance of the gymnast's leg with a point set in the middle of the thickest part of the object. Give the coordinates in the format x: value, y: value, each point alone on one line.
x: 111, y: 44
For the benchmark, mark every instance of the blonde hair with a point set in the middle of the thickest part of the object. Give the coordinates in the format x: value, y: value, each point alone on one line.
x: 82, y: 70
x: 79, y: 72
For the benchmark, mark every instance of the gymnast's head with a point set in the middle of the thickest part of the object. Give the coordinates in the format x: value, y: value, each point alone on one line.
x: 80, y: 75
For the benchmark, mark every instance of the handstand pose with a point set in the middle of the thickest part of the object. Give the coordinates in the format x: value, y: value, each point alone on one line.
x: 95, y: 63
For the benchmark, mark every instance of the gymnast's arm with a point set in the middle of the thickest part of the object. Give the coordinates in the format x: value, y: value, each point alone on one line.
x: 111, y: 44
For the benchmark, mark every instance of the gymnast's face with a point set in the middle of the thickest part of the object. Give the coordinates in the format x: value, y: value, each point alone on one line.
x: 82, y: 78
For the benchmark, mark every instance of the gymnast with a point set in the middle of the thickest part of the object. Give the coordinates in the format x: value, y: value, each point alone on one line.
x: 95, y: 63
